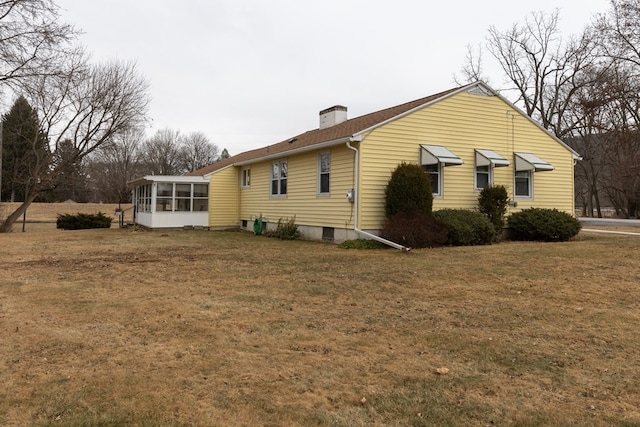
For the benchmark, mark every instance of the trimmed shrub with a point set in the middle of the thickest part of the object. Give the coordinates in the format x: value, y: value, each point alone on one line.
x: 82, y: 221
x: 492, y: 202
x: 408, y: 191
x: 414, y: 230
x: 285, y: 230
x: 545, y: 225
x: 466, y: 227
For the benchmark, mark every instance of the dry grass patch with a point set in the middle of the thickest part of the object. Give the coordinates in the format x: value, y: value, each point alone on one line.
x: 114, y: 327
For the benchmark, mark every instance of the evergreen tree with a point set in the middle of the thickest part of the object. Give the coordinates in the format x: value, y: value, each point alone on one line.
x: 23, y: 144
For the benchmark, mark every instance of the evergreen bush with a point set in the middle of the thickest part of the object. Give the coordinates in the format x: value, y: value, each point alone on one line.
x: 408, y: 191
x: 546, y: 225
x: 83, y: 221
x: 466, y: 227
x: 492, y: 202
x: 414, y: 230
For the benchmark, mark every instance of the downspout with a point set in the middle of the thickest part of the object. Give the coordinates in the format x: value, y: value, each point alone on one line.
x: 356, y: 197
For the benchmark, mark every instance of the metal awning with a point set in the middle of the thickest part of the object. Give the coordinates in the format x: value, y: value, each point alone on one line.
x: 531, y: 162
x: 434, y: 154
x: 488, y: 157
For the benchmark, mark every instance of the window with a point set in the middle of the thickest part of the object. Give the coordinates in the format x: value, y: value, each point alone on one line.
x: 526, y: 165
x: 245, y: 178
x: 279, y: 178
x: 523, y: 183
x: 164, y: 197
x: 433, y: 159
x: 434, y: 174
x: 486, y: 160
x: 183, y: 197
x: 200, y: 197
x: 483, y: 177
x: 324, y: 165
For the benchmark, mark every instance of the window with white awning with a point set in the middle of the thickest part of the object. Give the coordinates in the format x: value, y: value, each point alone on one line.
x: 433, y: 159
x: 531, y: 162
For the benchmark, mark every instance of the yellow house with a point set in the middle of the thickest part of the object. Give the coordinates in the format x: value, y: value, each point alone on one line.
x: 332, y: 179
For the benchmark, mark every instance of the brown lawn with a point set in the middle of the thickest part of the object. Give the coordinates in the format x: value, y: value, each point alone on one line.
x: 120, y: 327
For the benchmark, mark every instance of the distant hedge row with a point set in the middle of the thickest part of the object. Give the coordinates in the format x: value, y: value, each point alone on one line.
x: 82, y: 221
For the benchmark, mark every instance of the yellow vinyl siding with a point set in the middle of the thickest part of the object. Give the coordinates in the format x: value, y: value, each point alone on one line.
x: 302, y: 199
x: 223, y: 198
x: 462, y: 123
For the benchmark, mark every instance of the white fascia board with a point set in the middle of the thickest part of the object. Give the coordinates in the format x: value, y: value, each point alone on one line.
x: 181, y: 179
x: 413, y: 110
x: 300, y: 150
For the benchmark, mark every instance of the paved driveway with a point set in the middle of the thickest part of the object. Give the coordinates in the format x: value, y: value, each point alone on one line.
x: 609, y: 221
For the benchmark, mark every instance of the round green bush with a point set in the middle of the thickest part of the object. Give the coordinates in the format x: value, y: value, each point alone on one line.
x: 544, y: 225
x: 408, y: 191
x: 466, y: 227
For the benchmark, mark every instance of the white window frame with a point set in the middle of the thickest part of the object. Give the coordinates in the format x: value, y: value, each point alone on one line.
x: 437, y: 192
x: 488, y: 173
x: 279, y: 179
x: 327, y: 155
x: 529, y: 175
x: 245, y: 177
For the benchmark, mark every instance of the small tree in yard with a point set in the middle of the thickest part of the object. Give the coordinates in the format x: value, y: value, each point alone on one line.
x: 408, y: 205
x: 493, y: 202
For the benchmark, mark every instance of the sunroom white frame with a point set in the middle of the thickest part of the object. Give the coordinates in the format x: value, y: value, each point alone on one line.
x: 145, y: 198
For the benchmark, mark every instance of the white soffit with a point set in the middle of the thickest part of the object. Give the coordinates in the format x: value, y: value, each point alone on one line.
x: 528, y: 161
x: 488, y: 157
x: 433, y: 154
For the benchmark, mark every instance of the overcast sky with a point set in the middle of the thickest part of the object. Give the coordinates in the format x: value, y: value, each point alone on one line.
x: 251, y: 73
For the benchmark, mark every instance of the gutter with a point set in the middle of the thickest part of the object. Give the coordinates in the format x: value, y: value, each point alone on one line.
x: 394, y: 245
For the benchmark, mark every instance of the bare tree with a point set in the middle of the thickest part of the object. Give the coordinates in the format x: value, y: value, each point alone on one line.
x: 114, y: 164
x: 620, y: 37
x: 473, y: 67
x: 31, y: 39
x: 543, y: 70
x: 198, y: 152
x: 162, y: 153
x: 86, y: 105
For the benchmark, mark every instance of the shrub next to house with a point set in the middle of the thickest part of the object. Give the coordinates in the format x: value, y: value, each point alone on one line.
x: 492, y: 202
x: 546, y: 225
x: 466, y: 227
x: 408, y: 203
x: 82, y: 221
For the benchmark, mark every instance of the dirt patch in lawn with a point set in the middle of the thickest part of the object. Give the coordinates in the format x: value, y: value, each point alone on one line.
x: 120, y: 327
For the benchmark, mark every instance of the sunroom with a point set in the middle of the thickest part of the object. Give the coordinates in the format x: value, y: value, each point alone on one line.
x: 161, y: 201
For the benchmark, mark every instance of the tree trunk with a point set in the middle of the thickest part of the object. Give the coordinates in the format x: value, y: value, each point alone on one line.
x: 11, y: 219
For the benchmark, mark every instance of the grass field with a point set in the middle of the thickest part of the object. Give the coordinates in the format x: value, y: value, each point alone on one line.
x: 119, y: 327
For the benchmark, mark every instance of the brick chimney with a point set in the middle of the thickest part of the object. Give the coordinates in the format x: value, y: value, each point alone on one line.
x: 332, y: 116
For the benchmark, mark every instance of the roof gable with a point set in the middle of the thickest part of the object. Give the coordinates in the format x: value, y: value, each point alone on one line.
x: 342, y: 132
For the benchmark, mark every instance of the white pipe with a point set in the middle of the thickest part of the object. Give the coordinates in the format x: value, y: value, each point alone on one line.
x: 355, y: 202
